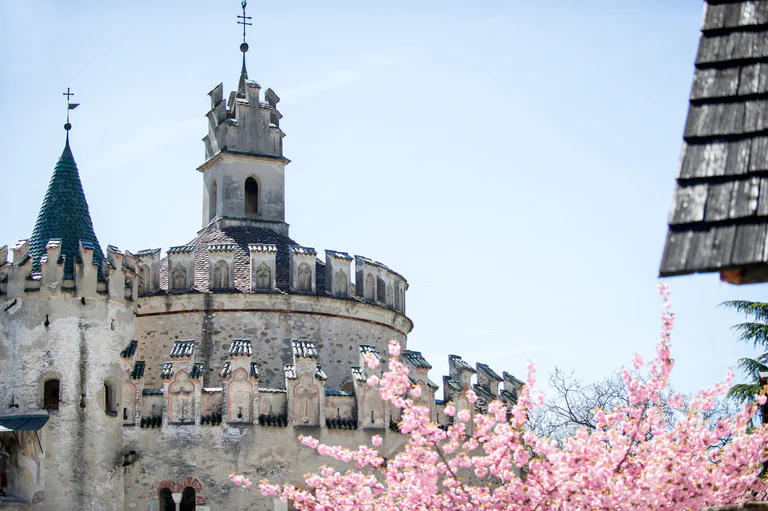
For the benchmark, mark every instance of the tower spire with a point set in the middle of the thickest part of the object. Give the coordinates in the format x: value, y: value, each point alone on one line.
x: 244, y: 21
x: 64, y: 213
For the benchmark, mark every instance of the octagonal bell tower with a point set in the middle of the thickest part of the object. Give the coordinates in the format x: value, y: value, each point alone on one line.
x: 244, y: 171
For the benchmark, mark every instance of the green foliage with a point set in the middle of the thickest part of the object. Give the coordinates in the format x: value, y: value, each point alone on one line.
x: 753, y: 332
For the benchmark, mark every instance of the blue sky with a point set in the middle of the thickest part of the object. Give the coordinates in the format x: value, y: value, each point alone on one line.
x: 514, y: 160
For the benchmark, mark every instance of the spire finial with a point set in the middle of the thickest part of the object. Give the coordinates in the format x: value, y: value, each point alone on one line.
x: 70, y: 106
x: 244, y: 23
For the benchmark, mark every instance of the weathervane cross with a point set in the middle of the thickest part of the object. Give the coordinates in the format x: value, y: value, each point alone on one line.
x: 244, y: 18
x: 70, y: 106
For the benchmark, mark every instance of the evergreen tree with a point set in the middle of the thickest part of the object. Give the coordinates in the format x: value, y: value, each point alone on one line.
x: 754, y: 332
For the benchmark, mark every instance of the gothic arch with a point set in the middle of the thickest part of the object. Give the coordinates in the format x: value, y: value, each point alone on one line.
x: 221, y: 275
x: 304, y: 277
x: 264, y: 277
x: 179, y: 277
x: 341, y: 283
x: 240, y: 398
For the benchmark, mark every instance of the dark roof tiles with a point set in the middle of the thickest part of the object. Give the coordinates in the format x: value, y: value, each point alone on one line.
x: 130, y: 350
x: 719, y: 215
x: 241, y: 348
x: 303, y: 348
x: 64, y: 215
x: 416, y: 359
x: 183, y: 349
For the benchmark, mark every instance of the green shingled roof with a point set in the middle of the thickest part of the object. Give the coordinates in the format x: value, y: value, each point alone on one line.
x: 64, y: 214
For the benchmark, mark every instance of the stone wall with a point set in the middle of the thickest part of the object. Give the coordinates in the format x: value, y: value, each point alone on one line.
x: 205, y: 456
x: 337, y: 326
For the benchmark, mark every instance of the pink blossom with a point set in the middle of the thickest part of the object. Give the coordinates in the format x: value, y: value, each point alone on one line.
x: 637, y: 457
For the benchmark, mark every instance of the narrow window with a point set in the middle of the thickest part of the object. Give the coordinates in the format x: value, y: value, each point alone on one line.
x: 188, y: 501
x: 166, y: 500
x: 51, y: 395
x: 212, y: 198
x: 251, y: 197
x: 109, y: 398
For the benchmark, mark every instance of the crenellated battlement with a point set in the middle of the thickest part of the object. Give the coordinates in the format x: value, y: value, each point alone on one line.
x: 116, y: 279
x: 267, y: 268
x: 305, y: 400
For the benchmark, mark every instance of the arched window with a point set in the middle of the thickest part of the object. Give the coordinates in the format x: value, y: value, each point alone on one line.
x: 305, y: 277
x: 51, y: 394
x: 221, y: 275
x: 166, y: 500
x: 212, y: 200
x: 340, y: 283
x: 251, y: 197
x: 179, y: 277
x: 188, y: 501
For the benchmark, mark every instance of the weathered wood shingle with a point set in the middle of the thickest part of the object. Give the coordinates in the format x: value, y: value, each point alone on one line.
x: 719, y: 215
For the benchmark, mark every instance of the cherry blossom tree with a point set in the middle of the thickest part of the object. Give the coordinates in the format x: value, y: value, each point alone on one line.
x: 635, y: 456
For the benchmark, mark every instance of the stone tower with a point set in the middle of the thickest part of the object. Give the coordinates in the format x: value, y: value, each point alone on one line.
x: 244, y: 171
x: 66, y: 310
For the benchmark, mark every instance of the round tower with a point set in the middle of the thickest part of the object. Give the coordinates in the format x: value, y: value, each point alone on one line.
x: 65, y: 312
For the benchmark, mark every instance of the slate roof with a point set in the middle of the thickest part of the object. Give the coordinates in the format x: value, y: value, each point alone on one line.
x: 197, y: 371
x: 461, y: 364
x: 416, y: 359
x: 183, y: 349
x: 365, y: 349
x: 167, y: 371
x: 451, y: 384
x: 358, y: 374
x: 64, y: 214
x: 130, y: 350
x: 719, y: 216
x: 138, y: 370
x: 302, y: 348
x: 241, y: 347
x: 242, y: 237
x: 490, y: 372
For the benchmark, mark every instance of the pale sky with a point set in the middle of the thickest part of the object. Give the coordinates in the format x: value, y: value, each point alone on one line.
x: 514, y: 160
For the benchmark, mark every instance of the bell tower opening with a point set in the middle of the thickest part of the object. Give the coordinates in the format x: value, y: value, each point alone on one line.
x: 251, y: 197
x: 212, y: 196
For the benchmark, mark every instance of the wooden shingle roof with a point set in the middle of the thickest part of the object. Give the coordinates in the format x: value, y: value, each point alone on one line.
x: 719, y: 216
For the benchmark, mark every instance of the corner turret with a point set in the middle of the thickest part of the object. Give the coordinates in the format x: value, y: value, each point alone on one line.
x: 64, y: 215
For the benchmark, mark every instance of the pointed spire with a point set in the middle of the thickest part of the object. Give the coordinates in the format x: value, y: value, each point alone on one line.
x: 64, y: 214
x: 243, y: 48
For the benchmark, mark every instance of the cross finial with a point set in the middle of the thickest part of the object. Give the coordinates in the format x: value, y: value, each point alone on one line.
x: 70, y: 106
x: 244, y: 21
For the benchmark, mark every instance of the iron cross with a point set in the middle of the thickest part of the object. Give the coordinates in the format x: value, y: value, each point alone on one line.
x: 245, y: 18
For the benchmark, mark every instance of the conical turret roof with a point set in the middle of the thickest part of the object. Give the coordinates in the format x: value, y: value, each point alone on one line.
x: 64, y: 214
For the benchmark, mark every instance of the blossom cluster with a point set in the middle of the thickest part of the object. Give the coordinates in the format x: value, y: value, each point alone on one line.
x: 636, y: 458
